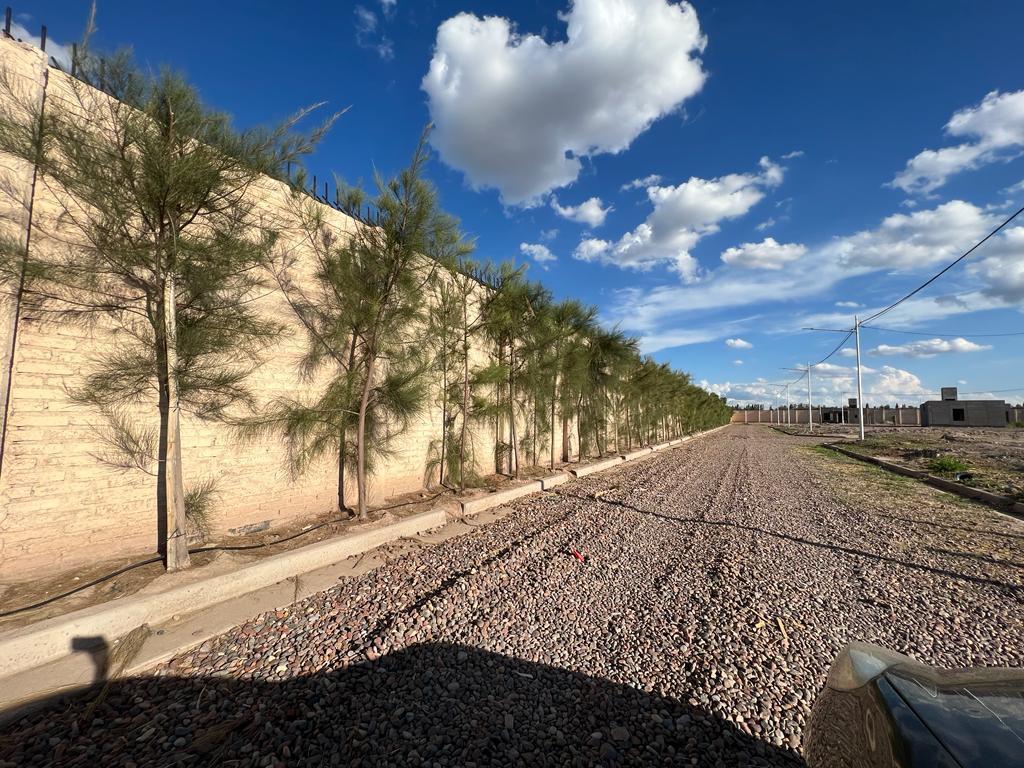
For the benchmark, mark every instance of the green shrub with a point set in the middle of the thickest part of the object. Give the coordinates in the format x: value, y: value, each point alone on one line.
x: 947, y: 465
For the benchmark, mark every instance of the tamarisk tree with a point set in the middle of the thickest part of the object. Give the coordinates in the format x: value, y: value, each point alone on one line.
x: 154, y: 238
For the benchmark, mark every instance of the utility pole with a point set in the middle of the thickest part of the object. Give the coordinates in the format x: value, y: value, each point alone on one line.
x: 810, y: 411
x: 789, y: 407
x: 860, y: 386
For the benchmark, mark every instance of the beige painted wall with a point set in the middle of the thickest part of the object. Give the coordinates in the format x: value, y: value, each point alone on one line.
x: 59, y: 505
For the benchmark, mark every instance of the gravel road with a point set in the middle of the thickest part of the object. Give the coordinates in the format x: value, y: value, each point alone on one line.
x: 720, y: 580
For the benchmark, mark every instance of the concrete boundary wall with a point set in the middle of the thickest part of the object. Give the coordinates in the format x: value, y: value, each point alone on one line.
x: 60, y: 507
x: 878, y: 417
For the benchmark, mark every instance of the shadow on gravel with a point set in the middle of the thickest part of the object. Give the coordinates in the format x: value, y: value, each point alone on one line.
x: 430, y: 704
x: 1014, y: 589
x: 947, y: 526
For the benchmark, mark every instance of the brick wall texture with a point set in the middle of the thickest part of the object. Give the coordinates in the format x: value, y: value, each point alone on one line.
x: 60, y: 506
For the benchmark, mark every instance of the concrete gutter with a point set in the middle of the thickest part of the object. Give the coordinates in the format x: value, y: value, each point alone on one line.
x: 637, y: 454
x: 597, y: 466
x: 1004, y: 504
x: 552, y: 480
x: 472, y: 506
x: 37, y: 644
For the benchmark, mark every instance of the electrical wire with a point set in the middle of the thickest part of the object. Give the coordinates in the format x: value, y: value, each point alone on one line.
x: 839, y: 346
x: 945, y: 269
x: 196, y: 551
x: 943, y: 335
x: 806, y: 371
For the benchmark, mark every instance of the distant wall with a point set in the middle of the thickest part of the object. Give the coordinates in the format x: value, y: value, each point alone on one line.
x: 904, y: 417
x: 59, y: 505
x: 998, y: 415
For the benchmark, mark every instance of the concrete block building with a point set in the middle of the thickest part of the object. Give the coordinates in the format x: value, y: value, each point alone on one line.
x: 953, y: 412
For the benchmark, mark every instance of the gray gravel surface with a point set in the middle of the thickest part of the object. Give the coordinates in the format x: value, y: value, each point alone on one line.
x: 720, y: 580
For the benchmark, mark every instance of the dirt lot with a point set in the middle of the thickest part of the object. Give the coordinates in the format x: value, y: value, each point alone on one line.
x: 717, y: 584
x: 993, y: 459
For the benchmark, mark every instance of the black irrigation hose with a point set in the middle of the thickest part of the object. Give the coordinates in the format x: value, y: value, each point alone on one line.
x: 197, y: 550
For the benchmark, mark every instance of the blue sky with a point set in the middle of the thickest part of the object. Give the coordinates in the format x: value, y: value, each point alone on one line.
x: 713, y: 176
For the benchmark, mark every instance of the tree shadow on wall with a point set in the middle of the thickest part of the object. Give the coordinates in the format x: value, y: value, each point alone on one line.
x: 430, y: 704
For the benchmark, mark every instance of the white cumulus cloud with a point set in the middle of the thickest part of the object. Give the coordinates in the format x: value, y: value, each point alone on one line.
x: 929, y: 348
x: 995, y: 128
x: 517, y: 113
x: 537, y: 252
x: 1002, y: 266
x: 682, y: 215
x: 907, y: 241
x: 738, y: 344
x: 768, y: 254
x: 590, y: 212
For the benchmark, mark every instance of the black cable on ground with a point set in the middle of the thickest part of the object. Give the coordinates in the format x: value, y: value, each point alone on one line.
x: 197, y: 550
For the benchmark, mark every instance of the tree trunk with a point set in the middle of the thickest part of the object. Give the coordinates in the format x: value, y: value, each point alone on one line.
x: 342, y: 437
x: 341, y: 470
x: 499, y: 426
x: 364, y: 402
x: 535, y: 437
x: 554, y: 398
x: 565, y: 438
x: 444, y: 418
x: 579, y: 428
x: 465, y: 398
x: 615, y: 419
x: 629, y: 432
x: 513, y: 456
x: 171, y: 525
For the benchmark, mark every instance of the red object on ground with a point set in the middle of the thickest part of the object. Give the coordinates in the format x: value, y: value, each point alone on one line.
x: 577, y: 554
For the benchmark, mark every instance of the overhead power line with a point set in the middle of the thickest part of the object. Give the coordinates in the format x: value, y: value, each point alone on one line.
x: 839, y: 346
x: 945, y: 269
x: 943, y: 334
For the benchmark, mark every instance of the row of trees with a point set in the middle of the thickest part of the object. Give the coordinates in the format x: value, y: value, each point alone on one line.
x: 158, y: 235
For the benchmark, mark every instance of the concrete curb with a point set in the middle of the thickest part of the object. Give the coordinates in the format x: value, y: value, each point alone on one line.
x: 598, y: 466
x: 637, y: 454
x: 1004, y: 504
x: 29, y: 647
x: 472, y: 506
x: 552, y: 480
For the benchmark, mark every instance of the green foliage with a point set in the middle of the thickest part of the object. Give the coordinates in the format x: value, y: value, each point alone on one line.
x: 947, y: 465
x: 154, y: 236
x: 364, y: 318
x: 199, y: 507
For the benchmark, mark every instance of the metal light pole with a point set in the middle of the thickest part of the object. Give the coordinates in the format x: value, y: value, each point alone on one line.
x: 860, y: 386
x: 810, y: 410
